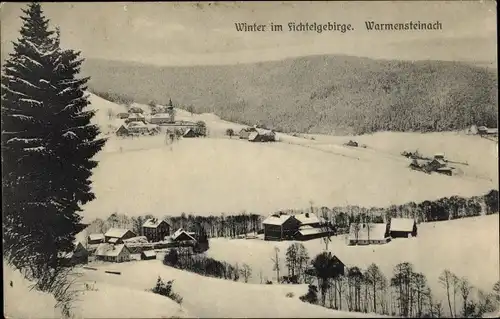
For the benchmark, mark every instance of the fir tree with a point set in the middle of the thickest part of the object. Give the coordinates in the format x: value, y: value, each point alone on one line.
x: 47, y: 147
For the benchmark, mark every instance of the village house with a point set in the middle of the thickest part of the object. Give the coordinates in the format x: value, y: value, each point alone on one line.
x: 122, y: 115
x: 93, y: 239
x: 369, y: 233
x: 262, y: 136
x: 338, y: 266
x: 245, y: 132
x: 403, y: 228
x: 190, y: 132
x: 112, y: 253
x: 183, y: 237
x: 117, y: 235
x: 155, y: 229
x: 148, y: 255
x: 79, y: 255
x: 135, y: 117
x: 161, y: 118
x: 483, y: 130
x: 135, y: 109
x: 280, y: 226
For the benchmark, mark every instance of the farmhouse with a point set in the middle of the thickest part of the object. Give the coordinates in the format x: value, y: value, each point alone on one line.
x: 113, y: 253
x: 148, y: 255
x: 79, y: 255
x: 155, y: 229
x: 135, y: 109
x: 366, y: 234
x: 117, y: 235
x: 308, y: 219
x: 161, y: 118
x: 190, y: 132
x: 245, y: 132
x: 135, y: 117
x: 483, y: 130
x: 338, y: 266
x: 308, y: 232
x: 403, y: 228
x: 262, y: 136
x: 122, y: 116
x: 183, y: 236
x: 280, y: 226
x: 93, y: 239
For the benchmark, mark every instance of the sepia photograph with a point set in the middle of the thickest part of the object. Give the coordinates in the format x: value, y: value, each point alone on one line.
x: 312, y: 159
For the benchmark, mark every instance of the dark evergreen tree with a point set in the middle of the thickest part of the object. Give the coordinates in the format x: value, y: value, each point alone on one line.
x: 47, y: 147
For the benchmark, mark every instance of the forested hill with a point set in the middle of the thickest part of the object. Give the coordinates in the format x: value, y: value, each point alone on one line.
x: 317, y: 94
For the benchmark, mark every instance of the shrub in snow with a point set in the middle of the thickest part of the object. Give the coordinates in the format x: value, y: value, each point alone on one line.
x: 165, y: 289
x: 290, y: 295
x: 311, y: 296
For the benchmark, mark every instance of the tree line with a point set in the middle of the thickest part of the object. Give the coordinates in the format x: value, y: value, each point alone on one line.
x: 186, y: 259
x: 405, y: 294
x: 232, y: 226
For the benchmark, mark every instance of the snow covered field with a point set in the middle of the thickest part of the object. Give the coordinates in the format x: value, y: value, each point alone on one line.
x: 205, y: 297
x: 467, y: 247
x: 213, y: 175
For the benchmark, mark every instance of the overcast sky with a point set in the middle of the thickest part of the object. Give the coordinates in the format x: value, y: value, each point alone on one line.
x: 186, y: 33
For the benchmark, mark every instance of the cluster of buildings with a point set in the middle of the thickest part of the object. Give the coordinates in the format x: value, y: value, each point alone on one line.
x: 305, y: 226
x: 137, y: 124
x: 438, y: 164
x: 381, y: 233
x: 116, y: 244
x: 254, y: 134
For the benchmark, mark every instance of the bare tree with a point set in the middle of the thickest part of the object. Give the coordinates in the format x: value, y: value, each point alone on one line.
x: 276, y: 263
x: 446, y: 281
x: 246, y: 272
x: 465, y: 290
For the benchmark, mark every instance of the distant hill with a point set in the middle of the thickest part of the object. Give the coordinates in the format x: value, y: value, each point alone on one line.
x: 316, y: 94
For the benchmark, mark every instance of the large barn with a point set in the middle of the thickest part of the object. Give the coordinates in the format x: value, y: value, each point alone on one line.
x: 280, y: 227
x: 403, y: 228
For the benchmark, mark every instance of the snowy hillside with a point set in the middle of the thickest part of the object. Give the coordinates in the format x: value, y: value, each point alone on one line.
x: 103, y: 301
x: 205, y: 297
x: 143, y: 175
x: 456, y: 245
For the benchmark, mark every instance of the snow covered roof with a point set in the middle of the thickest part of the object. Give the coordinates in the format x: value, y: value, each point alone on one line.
x: 138, y: 239
x: 253, y: 135
x: 402, y: 224
x: 136, y: 124
x: 368, y: 231
x: 113, y: 240
x: 162, y: 115
x: 96, y: 236
x: 181, y: 231
x: 116, y: 232
x: 307, y: 218
x: 135, y: 115
x: 109, y: 250
x: 153, y: 223
x: 276, y: 220
x: 149, y: 253
x: 310, y: 231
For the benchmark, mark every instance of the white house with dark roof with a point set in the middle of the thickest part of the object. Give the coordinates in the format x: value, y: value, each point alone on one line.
x: 117, y: 235
x: 155, y: 229
x: 112, y: 253
x: 369, y: 233
x: 403, y: 227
